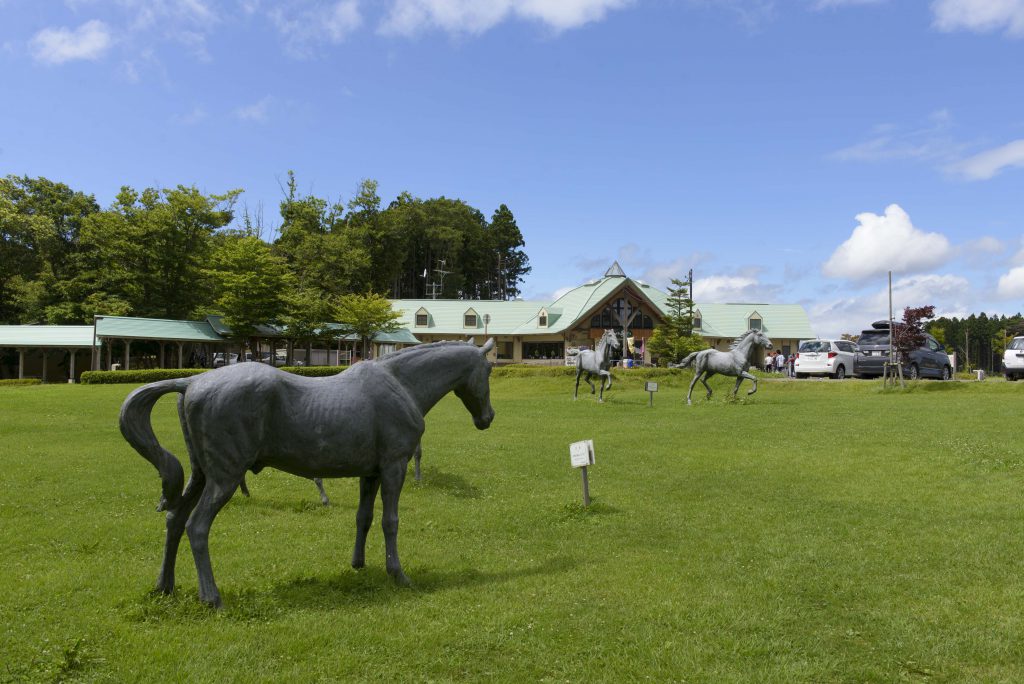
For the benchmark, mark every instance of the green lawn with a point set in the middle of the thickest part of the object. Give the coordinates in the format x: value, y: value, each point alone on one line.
x: 815, y: 532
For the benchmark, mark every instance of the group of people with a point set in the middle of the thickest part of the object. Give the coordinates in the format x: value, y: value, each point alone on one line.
x: 777, y: 362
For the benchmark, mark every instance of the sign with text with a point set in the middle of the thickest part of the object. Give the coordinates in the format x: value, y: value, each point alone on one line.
x: 651, y: 387
x: 581, y: 454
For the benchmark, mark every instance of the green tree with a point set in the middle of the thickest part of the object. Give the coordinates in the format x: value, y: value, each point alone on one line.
x: 511, y: 264
x: 366, y: 315
x: 252, y: 285
x: 675, y: 339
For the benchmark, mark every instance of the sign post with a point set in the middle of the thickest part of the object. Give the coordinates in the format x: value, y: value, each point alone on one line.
x: 581, y: 455
x: 651, y: 388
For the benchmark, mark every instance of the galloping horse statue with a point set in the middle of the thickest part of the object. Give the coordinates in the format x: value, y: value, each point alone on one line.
x: 734, y: 362
x: 366, y: 422
x: 597, y: 363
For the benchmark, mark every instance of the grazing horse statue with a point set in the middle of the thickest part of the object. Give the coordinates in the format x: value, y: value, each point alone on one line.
x: 597, y: 363
x: 366, y: 422
x: 734, y: 362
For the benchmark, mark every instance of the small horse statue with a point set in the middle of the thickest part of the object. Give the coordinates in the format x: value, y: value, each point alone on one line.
x: 597, y: 363
x: 734, y: 362
x: 366, y: 422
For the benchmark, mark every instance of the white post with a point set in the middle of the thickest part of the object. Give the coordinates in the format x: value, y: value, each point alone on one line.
x: 181, y: 355
x: 71, y: 376
x: 21, y: 364
x: 127, y: 354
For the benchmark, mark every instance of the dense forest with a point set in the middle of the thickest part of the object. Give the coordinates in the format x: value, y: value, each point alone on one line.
x: 179, y: 253
x: 978, y: 340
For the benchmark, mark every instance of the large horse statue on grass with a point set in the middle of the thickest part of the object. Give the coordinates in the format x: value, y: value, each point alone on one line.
x: 366, y: 422
x: 734, y: 362
x: 597, y: 362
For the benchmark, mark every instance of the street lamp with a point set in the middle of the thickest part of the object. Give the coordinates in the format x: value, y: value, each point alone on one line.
x: 487, y: 319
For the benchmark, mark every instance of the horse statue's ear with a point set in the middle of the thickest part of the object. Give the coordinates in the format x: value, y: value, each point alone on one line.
x: 488, y: 346
x: 471, y: 339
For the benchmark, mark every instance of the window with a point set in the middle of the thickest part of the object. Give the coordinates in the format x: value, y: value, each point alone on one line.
x: 755, y: 323
x: 542, y: 320
x: 697, y: 322
x: 422, y: 318
x: 814, y: 346
x: 469, y: 320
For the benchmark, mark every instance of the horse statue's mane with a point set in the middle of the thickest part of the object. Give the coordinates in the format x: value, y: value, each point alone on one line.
x: 411, y: 351
x: 735, y: 343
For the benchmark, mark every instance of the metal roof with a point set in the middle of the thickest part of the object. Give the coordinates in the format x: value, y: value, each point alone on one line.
x: 63, y: 336
x: 123, y: 327
x: 519, y: 317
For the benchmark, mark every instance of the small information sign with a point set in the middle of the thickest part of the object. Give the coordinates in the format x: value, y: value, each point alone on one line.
x: 651, y: 387
x: 581, y: 454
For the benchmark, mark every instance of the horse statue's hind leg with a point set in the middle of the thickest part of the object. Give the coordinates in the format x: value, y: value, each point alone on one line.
x: 391, y: 481
x: 419, y: 454
x: 704, y: 381
x: 323, y: 493
x: 579, y: 372
x: 368, y: 487
x: 604, y: 374
x: 689, y: 395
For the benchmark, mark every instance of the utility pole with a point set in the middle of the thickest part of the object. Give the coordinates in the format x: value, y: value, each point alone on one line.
x: 689, y: 297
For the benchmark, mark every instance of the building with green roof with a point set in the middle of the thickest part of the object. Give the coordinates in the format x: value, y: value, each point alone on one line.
x: 544, y: 331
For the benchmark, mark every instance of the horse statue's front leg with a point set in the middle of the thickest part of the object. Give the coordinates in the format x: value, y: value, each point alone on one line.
x: 368, y: 487
x: 579, y: 372
x: 323, y: 492
x: 603, y: 374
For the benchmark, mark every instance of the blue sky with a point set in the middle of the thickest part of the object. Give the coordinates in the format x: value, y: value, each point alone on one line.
x: 787, y: 151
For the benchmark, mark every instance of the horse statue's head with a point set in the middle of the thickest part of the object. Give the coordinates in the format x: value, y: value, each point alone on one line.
x: 760, y: 339
x: 475, y: 389
x: 612, y: 338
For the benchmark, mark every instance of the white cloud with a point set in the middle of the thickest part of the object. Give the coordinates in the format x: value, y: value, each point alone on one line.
x: 930, y: 141
x: 258, y: 111
x: 987, y: 164
x: 980, y: 15
x: 59, y: 45
x: 884, y: 243
x: 409, y: 17
x: 829, y: 4
x: 193, y: 117
x: 949, y: 294
x: 305, y: 23
x: 720, y: 289
x: 1011, y: 284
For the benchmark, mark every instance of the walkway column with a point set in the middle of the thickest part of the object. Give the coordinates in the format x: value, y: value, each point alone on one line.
x: 127, y: 354
x: 181, y: 353
x: 44, y: 364
x: 161, y: 354
x: 110, y: 345
x: 71, y: 376
x: 21, y: 364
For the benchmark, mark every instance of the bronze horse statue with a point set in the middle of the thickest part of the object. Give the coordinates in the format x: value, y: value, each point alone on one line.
x: 734, y: 362
x: 366, y: 422
x: 597, y: 362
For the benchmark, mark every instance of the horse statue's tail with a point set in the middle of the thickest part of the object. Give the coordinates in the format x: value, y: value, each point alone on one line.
x: 685, y: 363
x: 137, y: 428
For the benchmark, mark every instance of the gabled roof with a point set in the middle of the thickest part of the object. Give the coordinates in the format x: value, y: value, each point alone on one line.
x: 446, y: 314
x: 36, y: 336
x: 124, y: 327
x: 785, y: 321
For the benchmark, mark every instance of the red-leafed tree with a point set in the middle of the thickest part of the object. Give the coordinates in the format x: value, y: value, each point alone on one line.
x: 908, y: 334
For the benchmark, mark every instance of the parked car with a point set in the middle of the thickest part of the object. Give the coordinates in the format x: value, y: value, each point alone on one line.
x: 1013, y: 359
x: 836, y: 358
x: 929, y: 361
x: 219, y: 359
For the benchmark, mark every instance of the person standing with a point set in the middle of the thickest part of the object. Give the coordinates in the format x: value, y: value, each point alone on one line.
x: 780, y: 362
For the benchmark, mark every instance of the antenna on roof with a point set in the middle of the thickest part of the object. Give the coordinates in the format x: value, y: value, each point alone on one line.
x: 437, y: 286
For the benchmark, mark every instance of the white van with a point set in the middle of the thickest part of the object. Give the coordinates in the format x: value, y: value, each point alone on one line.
x: 835, y: 358
x: 1013, y: 359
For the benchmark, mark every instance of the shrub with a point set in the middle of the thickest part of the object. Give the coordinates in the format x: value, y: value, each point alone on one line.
x: 21, y: 381
x: 137, y: 376
x: 314, y: 371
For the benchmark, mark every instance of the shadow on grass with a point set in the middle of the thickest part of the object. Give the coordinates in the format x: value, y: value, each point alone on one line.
x: 351, y: 588
x: 449, y: 483
x: 374, y: 585
x: 578, y: 512
x: 270, y: 503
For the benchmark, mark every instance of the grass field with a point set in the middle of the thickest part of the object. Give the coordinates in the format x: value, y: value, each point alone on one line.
x: 815, y: 532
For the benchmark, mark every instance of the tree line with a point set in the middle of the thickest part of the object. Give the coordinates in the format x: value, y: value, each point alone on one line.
x: 179, y: 253
x: 979, y: 340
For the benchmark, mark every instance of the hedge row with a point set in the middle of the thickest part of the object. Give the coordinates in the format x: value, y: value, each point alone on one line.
x: 137, y: 376
x: 155, y: 374
x: 21, y: 381
x: 528, y: 371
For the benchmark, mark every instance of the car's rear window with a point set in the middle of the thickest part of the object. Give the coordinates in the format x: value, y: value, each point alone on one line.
x: 873, y: 337
x: 814, y: 346
x: 1017, y: 344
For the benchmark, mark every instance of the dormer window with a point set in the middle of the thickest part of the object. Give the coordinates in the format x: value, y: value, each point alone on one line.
x: 422, y: 318
x: 542, y: 319
x: 697, y: 320
x: 755, y: 322
x: 469, y: 319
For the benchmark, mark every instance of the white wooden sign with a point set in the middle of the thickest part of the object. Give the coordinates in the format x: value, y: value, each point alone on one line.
x: 651, y: 387
x: 581, y: 454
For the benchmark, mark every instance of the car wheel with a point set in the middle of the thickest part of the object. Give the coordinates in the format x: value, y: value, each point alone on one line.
x: 840, y: 373
x: 914, y: 372
x: 946, y: 373
x: 801, y: 376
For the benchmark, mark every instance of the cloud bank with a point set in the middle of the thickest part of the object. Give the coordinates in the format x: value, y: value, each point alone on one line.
x: 980, y: 15
x: 58, y: 45
x: 409, y: 17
